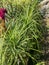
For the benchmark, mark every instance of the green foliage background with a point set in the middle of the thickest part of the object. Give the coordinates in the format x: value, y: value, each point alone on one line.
x: 24, y: 35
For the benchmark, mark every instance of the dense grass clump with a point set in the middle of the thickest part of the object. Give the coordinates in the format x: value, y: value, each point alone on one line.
x: 24, y: 35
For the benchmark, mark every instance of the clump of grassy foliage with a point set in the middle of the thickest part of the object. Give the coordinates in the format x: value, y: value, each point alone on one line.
x: 24, y: 35
x: 41, y: 63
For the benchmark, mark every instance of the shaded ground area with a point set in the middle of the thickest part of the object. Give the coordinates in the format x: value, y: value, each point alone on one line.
x: 45, y: 11
x: 46, y: 45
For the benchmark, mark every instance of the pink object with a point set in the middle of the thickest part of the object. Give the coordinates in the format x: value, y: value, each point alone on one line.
x: 2, y: 13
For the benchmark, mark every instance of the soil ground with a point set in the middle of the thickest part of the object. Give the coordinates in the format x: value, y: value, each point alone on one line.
x: 46, y: 45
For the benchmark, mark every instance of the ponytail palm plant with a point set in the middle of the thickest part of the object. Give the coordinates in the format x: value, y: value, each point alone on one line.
x: 24, y: 34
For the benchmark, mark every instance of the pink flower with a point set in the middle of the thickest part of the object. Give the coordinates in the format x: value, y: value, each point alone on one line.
x: 2, y: 13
